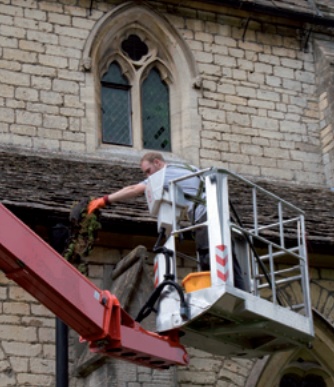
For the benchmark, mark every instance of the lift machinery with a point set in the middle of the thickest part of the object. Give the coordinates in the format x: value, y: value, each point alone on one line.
x: 207, y: 312
x: 93, y: 313
x: 272, y: 312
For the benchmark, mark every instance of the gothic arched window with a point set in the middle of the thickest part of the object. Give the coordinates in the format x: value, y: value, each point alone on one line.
x: 145, y: 83
x: 142, y: 102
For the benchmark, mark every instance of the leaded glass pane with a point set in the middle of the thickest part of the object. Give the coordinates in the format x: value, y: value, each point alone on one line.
x: 155, y: 111
x: 114, y: 75
x: 115, y: 93
x: 116, y: 117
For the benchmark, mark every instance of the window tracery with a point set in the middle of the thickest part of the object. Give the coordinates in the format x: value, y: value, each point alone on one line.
x: 156, y: 55
x: 117, y: 96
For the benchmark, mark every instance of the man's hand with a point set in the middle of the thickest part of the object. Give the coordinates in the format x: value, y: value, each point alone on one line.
x: 97, y: 204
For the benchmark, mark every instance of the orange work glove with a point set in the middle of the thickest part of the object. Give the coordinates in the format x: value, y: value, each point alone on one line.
x: 97, y: 203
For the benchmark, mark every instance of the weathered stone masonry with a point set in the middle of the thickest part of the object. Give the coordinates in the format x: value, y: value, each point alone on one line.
x: 258, y: 103
x: 265, y: 109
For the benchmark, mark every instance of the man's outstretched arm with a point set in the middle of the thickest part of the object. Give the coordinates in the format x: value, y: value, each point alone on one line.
x: 126, y: 193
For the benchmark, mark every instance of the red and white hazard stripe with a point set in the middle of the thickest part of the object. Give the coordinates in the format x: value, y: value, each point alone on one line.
x: 156, y: 273
x: 222, y: 262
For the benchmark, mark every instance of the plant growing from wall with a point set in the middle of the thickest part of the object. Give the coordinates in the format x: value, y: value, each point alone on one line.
x: 83, y: 234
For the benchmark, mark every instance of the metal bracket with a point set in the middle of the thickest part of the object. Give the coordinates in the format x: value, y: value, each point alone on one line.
x: 245, y: 28
x: 305, y: 37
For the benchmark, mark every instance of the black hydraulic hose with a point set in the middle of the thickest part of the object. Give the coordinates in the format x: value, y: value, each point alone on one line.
x: 157, y: 245
x: 251, y: 245
x: 157, y: 248
x: 149, y: 306
x: 167, y: 254
x: 169, y: 280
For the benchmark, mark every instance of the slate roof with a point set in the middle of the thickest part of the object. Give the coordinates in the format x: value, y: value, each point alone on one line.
x: 53, y: 185
x: 56, y: 184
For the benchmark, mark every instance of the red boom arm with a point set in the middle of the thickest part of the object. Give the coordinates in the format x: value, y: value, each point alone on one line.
x: 95, y: 314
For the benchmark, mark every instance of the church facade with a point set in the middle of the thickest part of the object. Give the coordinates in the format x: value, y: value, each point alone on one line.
x: 87, y: 87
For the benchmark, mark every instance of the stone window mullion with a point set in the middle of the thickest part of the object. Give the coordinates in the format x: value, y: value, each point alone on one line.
x: 136, y: 112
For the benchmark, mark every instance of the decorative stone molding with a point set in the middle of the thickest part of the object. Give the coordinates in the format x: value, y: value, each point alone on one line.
x: 325, y: 79
x: 167, y: 51
x: 316, y: 360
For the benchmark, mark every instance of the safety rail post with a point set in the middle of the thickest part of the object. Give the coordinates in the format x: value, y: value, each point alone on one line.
x: 307, y: 295
x: 272, y: 273
x: 216, y: 185
x: 281, y: 227
x: 255, y: 221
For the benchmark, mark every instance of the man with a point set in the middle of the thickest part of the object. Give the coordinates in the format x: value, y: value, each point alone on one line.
x: 153, y: 162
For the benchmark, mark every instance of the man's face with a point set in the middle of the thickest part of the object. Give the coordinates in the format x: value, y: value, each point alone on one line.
x: 149, y: 168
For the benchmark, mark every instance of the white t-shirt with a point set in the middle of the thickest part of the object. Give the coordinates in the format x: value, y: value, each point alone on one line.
x: 189, y: 186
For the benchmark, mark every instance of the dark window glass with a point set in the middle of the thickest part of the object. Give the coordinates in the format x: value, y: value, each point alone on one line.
x: 155, y: 113
x: 134, y: 47
x: 116, y: 111
x: 293, y: 380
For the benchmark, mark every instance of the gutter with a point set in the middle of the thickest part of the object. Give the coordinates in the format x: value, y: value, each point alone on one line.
x: 312, y: 18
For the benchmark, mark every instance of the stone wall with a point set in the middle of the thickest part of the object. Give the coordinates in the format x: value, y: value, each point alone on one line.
x: 257, y: 99
x: 27, y: 342
x: 27, y: 339
x: 262, y: 111
x: 259, y: 107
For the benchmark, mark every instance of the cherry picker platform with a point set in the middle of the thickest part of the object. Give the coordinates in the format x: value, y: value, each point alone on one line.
x: 272, y: 311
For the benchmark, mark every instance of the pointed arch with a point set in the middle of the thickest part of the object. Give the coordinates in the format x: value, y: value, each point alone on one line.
x: 301, y: 362
x: 167, y: 52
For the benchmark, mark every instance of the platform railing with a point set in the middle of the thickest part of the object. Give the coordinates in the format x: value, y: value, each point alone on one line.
x: 273, y: 234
